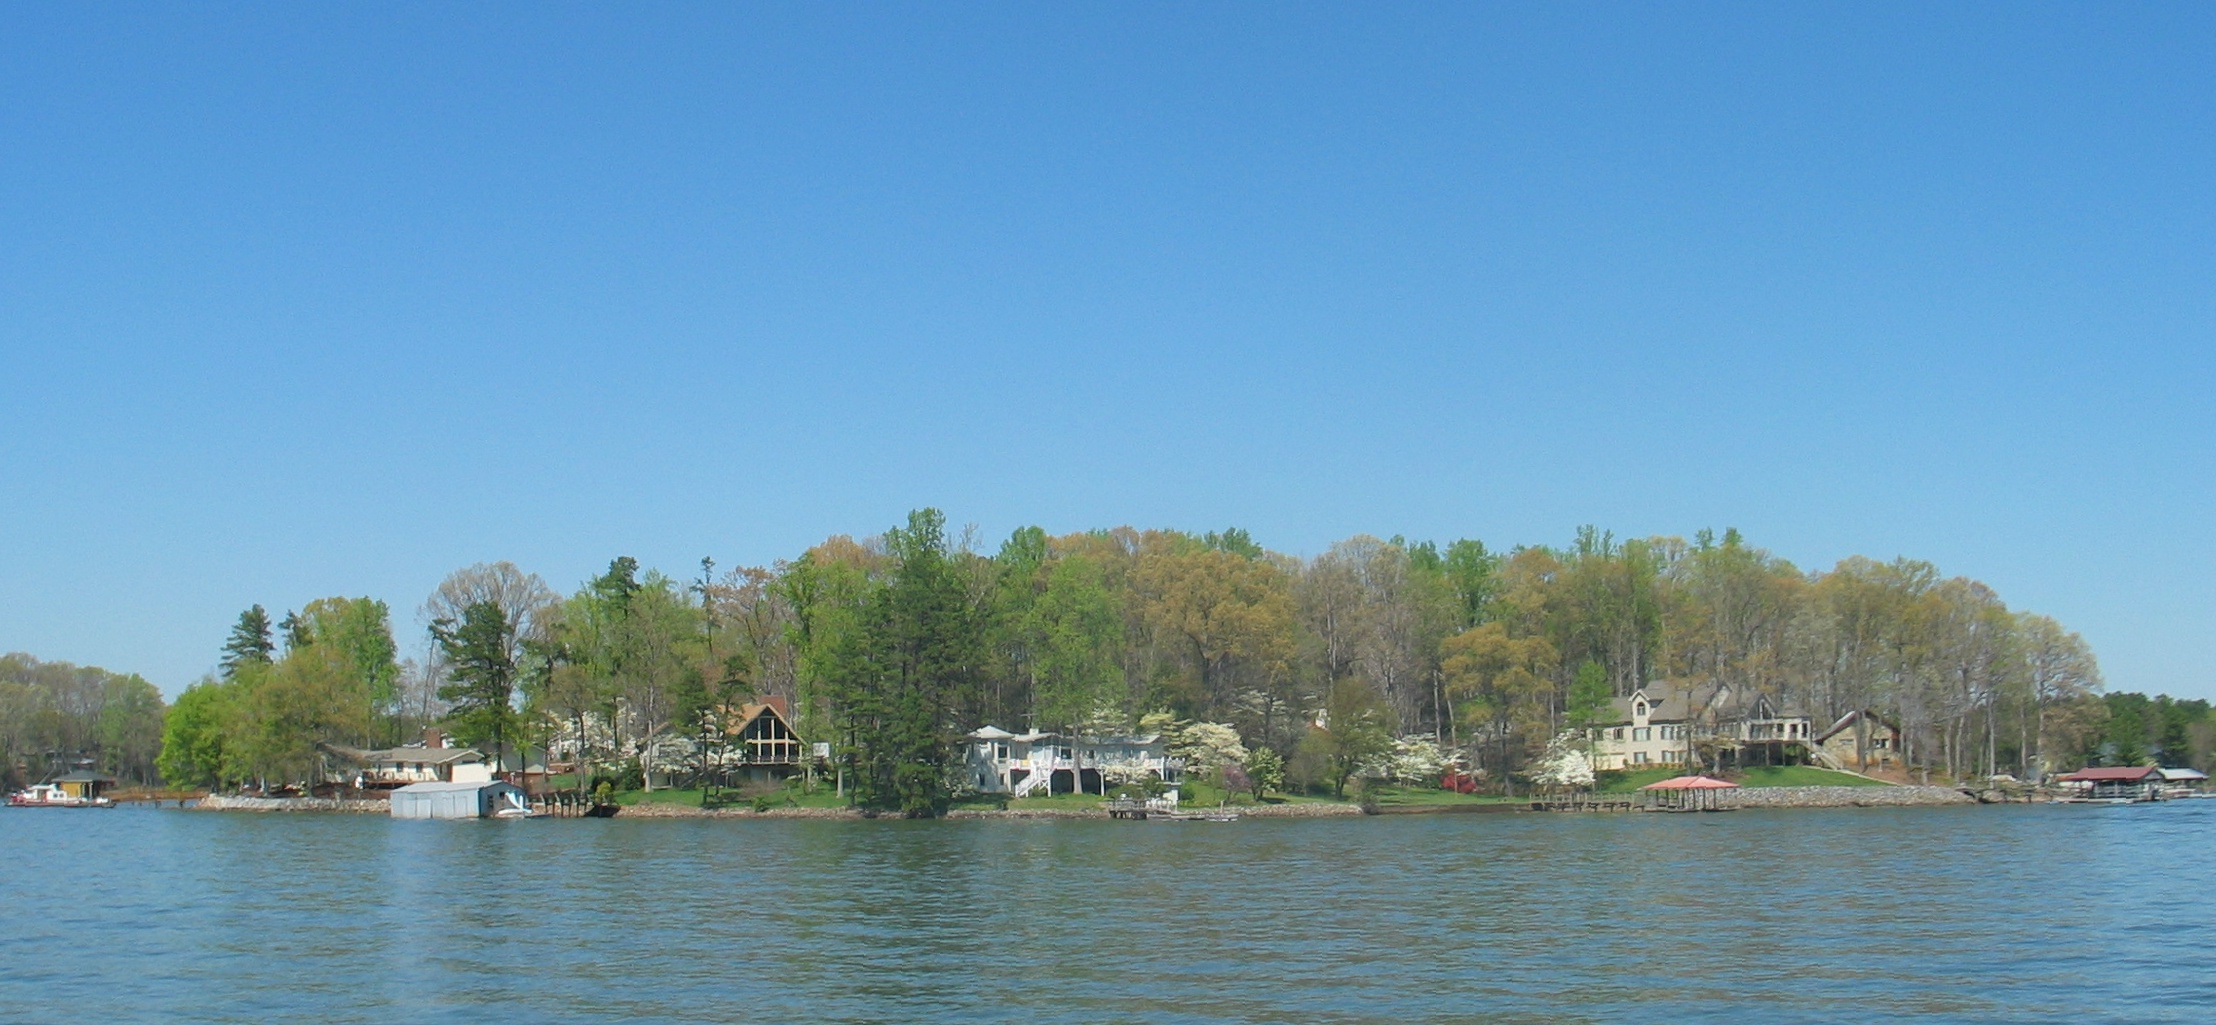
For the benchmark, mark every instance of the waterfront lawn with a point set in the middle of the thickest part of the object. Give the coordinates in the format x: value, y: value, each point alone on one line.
x: 824, y: 797
x: 1199, y: 793
x: 1760, y: 776
x: 997, y: 802
x: 1802, y: 776
x: 1433, y: 797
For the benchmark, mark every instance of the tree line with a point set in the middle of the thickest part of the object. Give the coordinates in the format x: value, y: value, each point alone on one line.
x: 56, y: 717
x: 892, y: 646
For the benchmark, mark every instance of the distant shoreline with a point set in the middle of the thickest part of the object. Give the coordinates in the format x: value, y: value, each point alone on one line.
x: 1750, y: 798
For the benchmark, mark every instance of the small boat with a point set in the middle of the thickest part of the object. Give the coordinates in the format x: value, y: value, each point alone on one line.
x: 48, y: 795
x: 516, y: 807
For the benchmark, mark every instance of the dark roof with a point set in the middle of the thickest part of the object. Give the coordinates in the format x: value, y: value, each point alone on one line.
x: 2114, y: 774
x: 425, y: 755
x: 1672, y: 702
x: 1849, y: 720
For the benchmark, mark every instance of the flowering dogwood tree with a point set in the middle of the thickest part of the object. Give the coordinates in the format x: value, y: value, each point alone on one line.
x: 1416, y: 760
x: 1564, y: 765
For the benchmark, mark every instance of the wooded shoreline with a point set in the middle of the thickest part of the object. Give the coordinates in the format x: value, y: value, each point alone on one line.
x: 1764, y: 798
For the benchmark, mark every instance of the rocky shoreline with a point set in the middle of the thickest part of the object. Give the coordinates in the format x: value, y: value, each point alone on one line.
x: 1846, y: 797
x: 226, y: 802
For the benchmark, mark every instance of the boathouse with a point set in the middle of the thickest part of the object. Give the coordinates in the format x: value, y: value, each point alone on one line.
x: 2121, y: 782
x: 478, y: 800
x: 85, y: 783
x: 2183, y: 782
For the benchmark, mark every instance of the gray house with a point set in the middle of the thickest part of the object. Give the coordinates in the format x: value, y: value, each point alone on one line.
x: 458, y: 800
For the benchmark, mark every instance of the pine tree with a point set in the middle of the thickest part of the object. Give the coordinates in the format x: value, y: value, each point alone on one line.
x: 249, y: 642
x: 905, y: 679
x: 484, y: 677
x: 298, y: 632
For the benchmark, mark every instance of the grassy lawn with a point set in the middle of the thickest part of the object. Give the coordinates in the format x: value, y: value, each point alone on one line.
x: 1801, y: 776
x: 1767, y: 776
x: 631, y: 797
x: 824, y: 797
x: 1432, y: 797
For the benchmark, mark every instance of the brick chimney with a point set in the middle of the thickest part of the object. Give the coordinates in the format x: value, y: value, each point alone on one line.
x: 434, y: 737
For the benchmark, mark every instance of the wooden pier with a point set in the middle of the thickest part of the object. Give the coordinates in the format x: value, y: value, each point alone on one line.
x: 1125, y: 808
x: 1589, y: 802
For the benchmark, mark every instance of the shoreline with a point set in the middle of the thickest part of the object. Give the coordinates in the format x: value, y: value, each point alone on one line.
x: 1765, y: 798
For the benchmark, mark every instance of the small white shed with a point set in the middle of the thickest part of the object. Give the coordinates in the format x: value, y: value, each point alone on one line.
x: 475, y: 800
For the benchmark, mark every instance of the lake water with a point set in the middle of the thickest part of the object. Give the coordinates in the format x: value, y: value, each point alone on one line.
x: 2083, y: 914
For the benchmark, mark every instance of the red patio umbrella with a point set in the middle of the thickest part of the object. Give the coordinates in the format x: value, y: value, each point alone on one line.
x: 1691, y: 783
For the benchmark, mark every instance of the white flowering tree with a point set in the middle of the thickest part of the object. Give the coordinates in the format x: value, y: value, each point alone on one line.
x: 1416, y: 759
x: 1204, y: 747
x: 1564, y: 766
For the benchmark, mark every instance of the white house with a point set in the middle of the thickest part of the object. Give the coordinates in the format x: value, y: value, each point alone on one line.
x: 1000, y: 762
x: 429, y: 762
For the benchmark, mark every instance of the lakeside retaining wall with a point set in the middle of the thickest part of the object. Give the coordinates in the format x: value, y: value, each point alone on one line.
x: 225, y: 802
x: 1845, y: 797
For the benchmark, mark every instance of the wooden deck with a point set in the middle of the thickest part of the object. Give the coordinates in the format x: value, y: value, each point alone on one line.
x: 1589, y: 802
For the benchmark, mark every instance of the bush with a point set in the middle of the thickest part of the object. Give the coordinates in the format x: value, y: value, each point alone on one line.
x: 1365, y: 795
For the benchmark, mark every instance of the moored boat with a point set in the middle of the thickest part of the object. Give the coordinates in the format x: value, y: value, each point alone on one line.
x: 49, y: 795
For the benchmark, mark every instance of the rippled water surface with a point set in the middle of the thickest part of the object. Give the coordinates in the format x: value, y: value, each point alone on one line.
x: 1973, y: 914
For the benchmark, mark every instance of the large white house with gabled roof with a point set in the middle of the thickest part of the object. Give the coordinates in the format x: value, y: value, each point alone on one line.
x: 1023, y: 764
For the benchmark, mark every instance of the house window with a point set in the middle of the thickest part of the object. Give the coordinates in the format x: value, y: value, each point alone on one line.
x: 1617, y: 733
x: 1642, y: 732
x: 1639, y: 710
x: 1000, y: 751
x: 1638, y: 758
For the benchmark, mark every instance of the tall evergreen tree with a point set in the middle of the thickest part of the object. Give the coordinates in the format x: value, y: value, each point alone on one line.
x: 297, y: 630
x: 483, y: 675
x: 908, y: 674
x: 249, y: 642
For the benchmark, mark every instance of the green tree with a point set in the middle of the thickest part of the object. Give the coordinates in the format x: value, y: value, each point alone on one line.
x: 902, y: 677
x: 1354, y: 735
x: 1266, y: 770
x: 1589, y: 697
x: 1474, y: 574
x: 295, y: 630
x: 249, y: 643
x: 130, y: 733
x: 1076, y: 636
x: 195, y: 734
x: 358, y: 633
x: 308, y: 698
x: 482, y: 675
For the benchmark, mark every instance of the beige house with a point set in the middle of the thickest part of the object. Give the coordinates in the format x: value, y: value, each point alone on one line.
x: 1707, y: 725
x: 1650, y: 727
x: 1861, y: 740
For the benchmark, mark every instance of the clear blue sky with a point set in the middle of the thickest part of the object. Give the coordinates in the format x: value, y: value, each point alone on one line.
x: 332, y: 299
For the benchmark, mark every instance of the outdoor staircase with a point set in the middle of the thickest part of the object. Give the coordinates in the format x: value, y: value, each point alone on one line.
x: 1038, y: 778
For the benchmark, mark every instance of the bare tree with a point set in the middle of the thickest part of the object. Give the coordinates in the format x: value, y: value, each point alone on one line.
x: 523, y: 599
